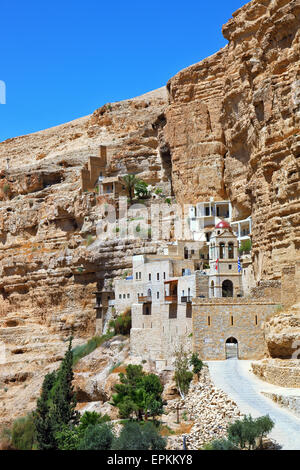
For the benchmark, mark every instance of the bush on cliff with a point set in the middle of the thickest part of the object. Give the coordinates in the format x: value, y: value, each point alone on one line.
x: 122, y: 324
x: 85, y: 349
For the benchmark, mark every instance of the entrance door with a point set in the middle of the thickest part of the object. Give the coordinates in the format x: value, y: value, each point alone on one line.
x: 227, y: 288
x: 231, y: 348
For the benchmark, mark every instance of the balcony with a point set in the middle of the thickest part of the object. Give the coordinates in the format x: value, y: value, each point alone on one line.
x: 142, y: 299
x: 171, y: 298
x: 186, y: 299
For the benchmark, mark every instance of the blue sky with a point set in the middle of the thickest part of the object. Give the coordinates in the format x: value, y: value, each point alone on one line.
x: 61, y: 60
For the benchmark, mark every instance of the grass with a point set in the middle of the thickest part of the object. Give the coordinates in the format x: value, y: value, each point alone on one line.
x: 85, y: 349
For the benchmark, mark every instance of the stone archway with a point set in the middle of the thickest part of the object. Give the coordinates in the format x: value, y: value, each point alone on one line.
x: 227, y: 288
x: 232, y: 348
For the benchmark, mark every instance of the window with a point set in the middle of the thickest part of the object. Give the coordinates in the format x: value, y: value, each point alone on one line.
x: 230, y: 266
x: 231, y: 321
x: 124, y: 296
x: 208, y: 321
x: 256, y: 320
x: 149, y: 276
x: 140, y: 275
x: 157, y: 295
x: 222, y: 250
x: 164, y: 275
x: 230, y: 251
x: 157, y: 276
x: 128, y: 296
x: 136, y: 275
x: 206, y: 210
x: 120, y: 296
x: 192, y: 252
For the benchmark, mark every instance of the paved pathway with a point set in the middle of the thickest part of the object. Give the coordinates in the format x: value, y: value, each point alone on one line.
x: 242, y: 386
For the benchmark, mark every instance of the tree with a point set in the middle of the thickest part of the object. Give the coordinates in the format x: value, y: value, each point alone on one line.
x: 97, y: 437
x: 57, y: 403
x: 182, y: 376
x: 141, y: 189
x: 130, y: 181
x: 139, y: 437
x: 264, y: 425
x: 138, y: 394
x: 248, y: 430
x: 42, y: 419
x: 63, y: 396
x: 196, y: 363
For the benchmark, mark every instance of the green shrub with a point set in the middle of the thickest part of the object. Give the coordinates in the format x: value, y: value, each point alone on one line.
x: 168, y: 200
x: 245, y: 246
x: 182, y: 375
x: 81, y: 351
x: 23, y: 433
x: 196, y: 363
x: 220, y: 444
x: 97, y: 437
x: 122, y: 324
x: 135, y: 436
x: 69, y: 438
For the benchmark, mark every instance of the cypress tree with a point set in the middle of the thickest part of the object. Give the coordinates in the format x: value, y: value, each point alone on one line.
x: 64, y: 398
x: 42, y: 420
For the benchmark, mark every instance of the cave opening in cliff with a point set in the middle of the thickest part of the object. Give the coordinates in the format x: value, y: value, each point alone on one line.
x: 166, y: 161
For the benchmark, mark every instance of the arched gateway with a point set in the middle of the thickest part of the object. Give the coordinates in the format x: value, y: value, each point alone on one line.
x: 231, y: 348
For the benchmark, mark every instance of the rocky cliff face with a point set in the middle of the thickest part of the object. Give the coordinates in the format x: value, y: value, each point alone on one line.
x: 233, y: 128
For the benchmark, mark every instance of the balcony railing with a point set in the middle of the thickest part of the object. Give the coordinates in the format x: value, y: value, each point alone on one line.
x: 186, y: 299
x: 144, y: 298
x: 171, y: 298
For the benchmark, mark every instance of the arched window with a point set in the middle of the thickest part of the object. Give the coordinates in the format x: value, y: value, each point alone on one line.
x: 222, y: 250
x: 212, y: 288
x: 149, y: 293
x: 230, y: 250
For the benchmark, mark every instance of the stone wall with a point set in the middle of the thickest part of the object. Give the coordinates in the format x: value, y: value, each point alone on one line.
x: 278, y: 372
x: 216, y: 320
x: 156, y: 336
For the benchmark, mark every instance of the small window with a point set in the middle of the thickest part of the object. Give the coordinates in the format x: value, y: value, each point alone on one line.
x: 120, y: 296
x: 124, y: 296
x: 164, y: 275
x: 149, y: 276
x: 157, y: 295
x: 140, y: 275
x: 208, y: 320
x: 136, y: 275
x: 230, y: 266
x: 231, y: 320
x: 157, y: 276
x: 192, y: 252
x: 256, y: 320
x: 128, y: 296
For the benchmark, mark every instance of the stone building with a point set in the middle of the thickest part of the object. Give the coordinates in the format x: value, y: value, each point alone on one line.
x: 228, y: 327
x: 95, y: 170
x: 225, y: 279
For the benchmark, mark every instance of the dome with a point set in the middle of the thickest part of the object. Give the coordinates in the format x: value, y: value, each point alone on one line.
x: 223, y: 224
